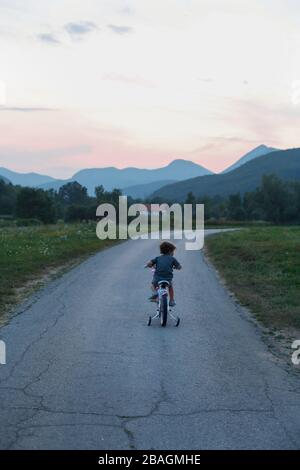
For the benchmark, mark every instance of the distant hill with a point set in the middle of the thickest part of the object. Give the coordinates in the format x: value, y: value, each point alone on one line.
x: 111, y: 177
x: 115, y: 178
x: 255, y: 153
x: 25, y: 179
x: 140, y: 191
x: 284, y: 163
x: 56, y: 184
x: 5, y: 180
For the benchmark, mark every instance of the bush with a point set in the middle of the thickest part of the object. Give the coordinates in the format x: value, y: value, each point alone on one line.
x: 78, y: 213
x: 35, y: 204
x: 28, y: 222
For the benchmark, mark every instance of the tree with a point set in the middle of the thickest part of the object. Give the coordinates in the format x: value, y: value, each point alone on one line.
x: 273, y: 197
x: 235, y: 207
x: 100, y: 194
x: 114, y: 196
x: 35, y: 204
x: 8, y: 196
x: 78, y: 213
x: 73, y: 193
x: 190, y: 199
x: 208, y: 206
x: 296, y: 189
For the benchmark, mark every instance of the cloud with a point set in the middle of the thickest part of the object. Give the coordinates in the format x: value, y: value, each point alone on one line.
x: 127, y: 10
x: 11, y: 155
x: 24, y: 109
x: 128, y: 79
x: 78, y: 29
x: 48, y: 38
x: 206, y: 80
x: 9, y: 5
x: 120, y: 29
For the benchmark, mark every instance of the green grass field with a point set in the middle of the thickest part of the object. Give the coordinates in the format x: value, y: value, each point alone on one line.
x: 262, y: 267
x: 29, y: 253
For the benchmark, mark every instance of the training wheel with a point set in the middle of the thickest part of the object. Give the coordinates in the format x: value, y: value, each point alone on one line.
x: 149, y: 321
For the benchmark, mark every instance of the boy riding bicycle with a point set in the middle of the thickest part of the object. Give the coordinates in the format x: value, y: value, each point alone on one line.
x: 164, y: 265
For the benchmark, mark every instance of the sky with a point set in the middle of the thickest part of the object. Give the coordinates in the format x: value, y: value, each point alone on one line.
x: 143, y: 82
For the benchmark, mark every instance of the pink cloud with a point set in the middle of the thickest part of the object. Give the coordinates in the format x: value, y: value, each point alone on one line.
x: 59, y: 143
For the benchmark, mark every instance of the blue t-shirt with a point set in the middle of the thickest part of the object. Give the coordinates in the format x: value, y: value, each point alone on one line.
x: 164, y: 265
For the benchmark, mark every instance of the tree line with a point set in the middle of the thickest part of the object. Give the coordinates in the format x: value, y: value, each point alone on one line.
x: 70, y: 203
x: 274, y: 201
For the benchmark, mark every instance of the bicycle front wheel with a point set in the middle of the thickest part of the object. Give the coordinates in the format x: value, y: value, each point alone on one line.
x: 164, y: 310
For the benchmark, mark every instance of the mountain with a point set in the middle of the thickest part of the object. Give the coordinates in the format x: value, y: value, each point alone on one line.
x: 255, y: 153
x: 140, y: 191
x: 112, y: 177
x: 4, y: 180
x: 115, y: 178
x: 283, y: 163
x: 56, y: 184
x: 25, y: 179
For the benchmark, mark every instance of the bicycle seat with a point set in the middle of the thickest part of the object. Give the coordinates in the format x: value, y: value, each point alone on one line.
x: 163, y: 283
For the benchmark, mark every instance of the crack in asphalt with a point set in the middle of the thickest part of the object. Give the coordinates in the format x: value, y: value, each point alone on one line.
x: 127, y: 419
x: 42, y: 407
x: 35, y: 415
x: 268, y: 396
x: 61, y: 313
x: 23, y: 424
x: 35, y: 379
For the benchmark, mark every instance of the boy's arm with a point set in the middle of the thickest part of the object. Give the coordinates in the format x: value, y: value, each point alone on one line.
x: 176, y: 264
x: 151, y: 263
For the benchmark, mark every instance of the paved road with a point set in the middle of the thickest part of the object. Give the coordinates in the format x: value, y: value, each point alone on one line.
x: 85, y: 372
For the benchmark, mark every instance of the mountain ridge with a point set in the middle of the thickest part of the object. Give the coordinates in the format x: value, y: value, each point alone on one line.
x: 141, y: 191
x: 283, y: 163
x: 21, y: 178
x: 130, y: 178
x: 123, y: 178
x: 249, y: 156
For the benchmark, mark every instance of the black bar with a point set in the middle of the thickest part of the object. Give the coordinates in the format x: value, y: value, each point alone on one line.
x: 132, y: 459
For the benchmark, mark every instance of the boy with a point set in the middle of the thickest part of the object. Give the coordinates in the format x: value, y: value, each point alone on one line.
x: 164, y: 265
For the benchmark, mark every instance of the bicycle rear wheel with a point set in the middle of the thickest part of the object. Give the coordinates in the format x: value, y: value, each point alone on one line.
x: 163, y: 310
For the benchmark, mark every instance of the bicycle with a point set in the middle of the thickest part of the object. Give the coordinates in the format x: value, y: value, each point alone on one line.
x: 163, y: 308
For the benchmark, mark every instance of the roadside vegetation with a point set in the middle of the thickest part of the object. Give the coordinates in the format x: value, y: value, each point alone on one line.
x: 261, y: 266
x: 27, y: 254
x: 274, y: 201
x: 71, y: 203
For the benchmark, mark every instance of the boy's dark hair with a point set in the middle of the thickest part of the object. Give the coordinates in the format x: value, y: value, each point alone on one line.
x: 166, y: 248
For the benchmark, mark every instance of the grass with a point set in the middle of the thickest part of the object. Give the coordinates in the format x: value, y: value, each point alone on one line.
x: 28, y: 253
x: 262, y: 267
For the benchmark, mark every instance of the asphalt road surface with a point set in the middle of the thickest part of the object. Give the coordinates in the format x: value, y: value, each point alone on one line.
x: 85, y: 372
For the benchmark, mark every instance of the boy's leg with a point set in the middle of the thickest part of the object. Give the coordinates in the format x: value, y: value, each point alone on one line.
x: 155, y: 294
x: 171, y: 292
x: 172, y: 302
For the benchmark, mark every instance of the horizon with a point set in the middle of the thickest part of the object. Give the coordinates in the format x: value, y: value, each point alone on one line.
x: 119, y: 84
x: 130, y: 167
